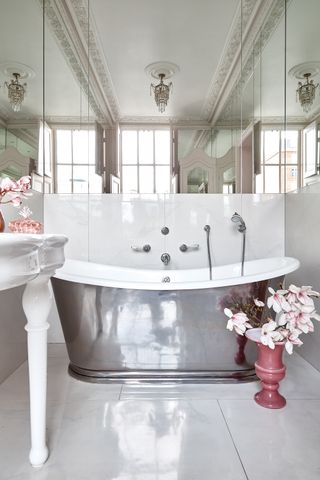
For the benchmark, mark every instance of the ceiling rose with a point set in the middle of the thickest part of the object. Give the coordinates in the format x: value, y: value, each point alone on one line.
x: 168, y: 69
x: 299, y: 71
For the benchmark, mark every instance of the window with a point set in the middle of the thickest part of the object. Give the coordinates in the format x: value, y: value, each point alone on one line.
x: 75, y: 162
x: 145, y: 161
x: 280, y: 162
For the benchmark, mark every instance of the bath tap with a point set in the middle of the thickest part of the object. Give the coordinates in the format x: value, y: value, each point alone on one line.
x: 165, y: 258
x: 145, y: 248
x: 236, y: 218
x: 185, y: 248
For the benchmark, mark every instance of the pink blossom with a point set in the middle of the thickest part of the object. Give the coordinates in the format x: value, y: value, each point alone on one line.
x: 269, y: 334
x: 7, y: 185
x: 238, y: 321
x: 301, y: 294
x: 277, y: 300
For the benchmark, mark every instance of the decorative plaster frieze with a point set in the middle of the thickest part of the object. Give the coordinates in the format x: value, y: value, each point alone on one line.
x: 163, y: 120
x: 63, y: 24
x: 256, y: 32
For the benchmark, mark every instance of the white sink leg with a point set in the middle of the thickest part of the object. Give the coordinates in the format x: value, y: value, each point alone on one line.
x: 36, y: 303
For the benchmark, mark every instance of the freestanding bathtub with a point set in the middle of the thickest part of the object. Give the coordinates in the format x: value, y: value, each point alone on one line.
x: 132, y: 325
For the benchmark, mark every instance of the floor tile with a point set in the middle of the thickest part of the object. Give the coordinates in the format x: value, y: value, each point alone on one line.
x: 143, y: 440
x: 274, y: 444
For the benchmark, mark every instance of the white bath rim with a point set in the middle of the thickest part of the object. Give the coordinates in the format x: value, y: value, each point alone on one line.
x: 90, y: 273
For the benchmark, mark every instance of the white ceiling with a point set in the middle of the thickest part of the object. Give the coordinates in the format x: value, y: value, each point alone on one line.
x: 135, y: 33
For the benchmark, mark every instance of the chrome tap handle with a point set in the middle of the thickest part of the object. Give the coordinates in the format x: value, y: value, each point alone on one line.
x: 145, y: 248
x: 185, y: 248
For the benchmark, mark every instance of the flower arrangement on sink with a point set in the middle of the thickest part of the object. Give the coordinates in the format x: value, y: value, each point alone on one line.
x: 13, y: 192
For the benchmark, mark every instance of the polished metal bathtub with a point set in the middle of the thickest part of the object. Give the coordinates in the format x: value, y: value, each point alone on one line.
x: 126, y: 324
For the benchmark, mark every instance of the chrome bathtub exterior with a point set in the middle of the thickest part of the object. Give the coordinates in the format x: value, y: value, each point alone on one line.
x: 132, y: 335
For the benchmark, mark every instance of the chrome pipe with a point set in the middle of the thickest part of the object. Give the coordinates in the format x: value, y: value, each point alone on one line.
x: 207, y: 229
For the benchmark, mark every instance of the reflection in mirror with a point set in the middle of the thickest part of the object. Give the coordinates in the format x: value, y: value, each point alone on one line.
x: 21, y: 81
x: 228, y: 103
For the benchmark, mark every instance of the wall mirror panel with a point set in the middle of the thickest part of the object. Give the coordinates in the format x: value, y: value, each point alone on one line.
x: 232, y: 123
x: 21, y: 92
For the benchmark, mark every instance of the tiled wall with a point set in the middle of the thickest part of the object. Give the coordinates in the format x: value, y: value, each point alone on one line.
x: 302, y: 242
x: 102, y: 228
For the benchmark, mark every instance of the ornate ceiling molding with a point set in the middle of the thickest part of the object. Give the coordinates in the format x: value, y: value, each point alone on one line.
x: 164, y: 120
x: 68, y: 20
x: 259, y: 20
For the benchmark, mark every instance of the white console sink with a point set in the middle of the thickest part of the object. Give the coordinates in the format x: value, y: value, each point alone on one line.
x: 32, y: 260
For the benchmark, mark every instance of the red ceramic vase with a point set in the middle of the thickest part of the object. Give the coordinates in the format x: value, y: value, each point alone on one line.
x: 270, y: 370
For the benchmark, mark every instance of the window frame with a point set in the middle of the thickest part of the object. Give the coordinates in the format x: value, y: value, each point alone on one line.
x: 70, y: 128
x: 137, y: 129
x: 282, y: 164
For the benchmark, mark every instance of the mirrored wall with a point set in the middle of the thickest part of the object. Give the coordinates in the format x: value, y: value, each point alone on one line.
x: 258, y: 128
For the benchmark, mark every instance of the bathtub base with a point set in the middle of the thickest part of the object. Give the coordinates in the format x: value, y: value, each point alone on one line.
x: 161, y: 376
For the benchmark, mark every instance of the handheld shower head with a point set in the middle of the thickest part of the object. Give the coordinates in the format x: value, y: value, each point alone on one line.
x: 236, y: 218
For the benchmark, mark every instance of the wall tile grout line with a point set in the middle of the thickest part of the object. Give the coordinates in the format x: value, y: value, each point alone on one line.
x: 236, y: 449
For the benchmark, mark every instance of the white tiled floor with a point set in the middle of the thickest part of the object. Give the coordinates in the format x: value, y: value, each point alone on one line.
x: 163, y: 432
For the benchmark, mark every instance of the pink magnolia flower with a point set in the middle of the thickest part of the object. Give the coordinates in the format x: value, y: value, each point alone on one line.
x: 13, y: 192
x: 301, y: 294
x: 277, y: 300
x: 269, y: 334
x: 291, y: 338
x: 7, y: 185
x: 238, y: 321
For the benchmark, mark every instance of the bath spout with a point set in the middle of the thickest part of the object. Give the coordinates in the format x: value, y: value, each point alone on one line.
x: 165, y: 258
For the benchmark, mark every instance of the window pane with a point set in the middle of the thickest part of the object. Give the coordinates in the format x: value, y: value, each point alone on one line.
x: 271, y: 146
x: 289, y: 146
x: 64, y: 146
x: 80, y: 179
x: 289, y: 178
x: 145, y: 146
x: 95, y: 181
x: 146, y: 182
x: 92, y: 147
x: 162, y: 146
x: 129, y: 180
x: 80, y: 146
x: 64, y: 179
x: 163, y: 179
x: 271, y: 179
x: 129, y: 146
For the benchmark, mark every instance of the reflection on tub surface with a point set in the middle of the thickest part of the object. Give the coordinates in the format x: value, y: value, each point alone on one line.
x: 161, y: 332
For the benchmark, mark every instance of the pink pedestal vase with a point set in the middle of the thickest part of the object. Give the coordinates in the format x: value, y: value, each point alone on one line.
x: 270, y: 370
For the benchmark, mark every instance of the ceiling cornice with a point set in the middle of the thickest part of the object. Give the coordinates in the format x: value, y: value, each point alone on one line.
x: 259, y: 20
x: 141, y: 120
x: 68, y: 20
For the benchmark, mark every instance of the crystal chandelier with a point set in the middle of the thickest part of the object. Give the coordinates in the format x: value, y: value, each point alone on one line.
x: 161, y: 93
x: 306, y: 92
x: 16, y: 92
